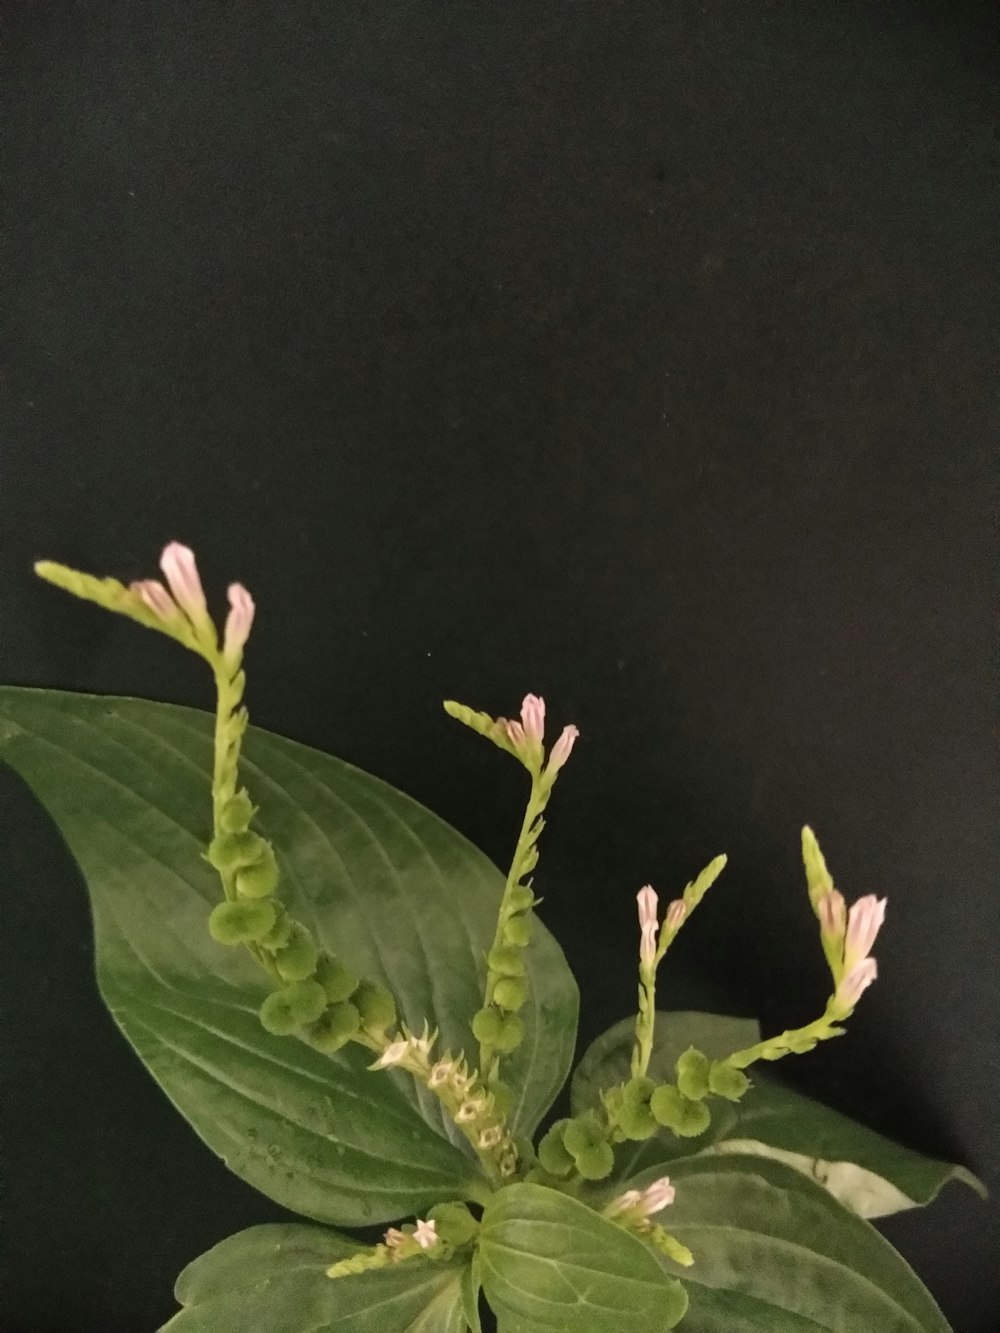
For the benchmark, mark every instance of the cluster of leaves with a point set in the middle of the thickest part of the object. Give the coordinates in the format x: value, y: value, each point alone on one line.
x: 771, y: 1193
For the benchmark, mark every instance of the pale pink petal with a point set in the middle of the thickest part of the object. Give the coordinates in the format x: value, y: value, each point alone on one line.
x: 238, y: 622
x: 864, y: 921
x: 178, y: 565
x: 394, y: 1238
x: 425, y: 1234
x: 676, y: 913
x: 156, y: 598
x: 856, y: 982
x: 533, y: 717
x: 660, y: 1194
x: 832, y: 914
x: 648, y: 923
x: 562, y: 749
x: 515, y: 732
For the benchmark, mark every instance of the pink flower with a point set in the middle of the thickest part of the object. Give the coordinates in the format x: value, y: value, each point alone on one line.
x: 676, y: 913
x: 855, y: 982
x: 832, y: 914
x: 562, y: 749
x: 425, y: 1234
x: 178, y: 565
x: 864, y: 922
x: 156, y: 598
x: 394, y: 1238
x: 533, y: 717
x: 648, y: 923
x: 657, y: 1196
x: 238, y: 622
x: 515, y: 732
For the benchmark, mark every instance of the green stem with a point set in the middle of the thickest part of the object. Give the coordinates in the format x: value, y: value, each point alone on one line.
x: 774, y: 1048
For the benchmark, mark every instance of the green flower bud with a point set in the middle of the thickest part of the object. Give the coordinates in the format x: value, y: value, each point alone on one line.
x: 582, y: 1132
x: 259, y: 880
x: 510, y: 1034
x: 692, y: 1074
x: 230, y: 851
x: 280, y: 933
x: 637, y: 1091
x: 286, y: 1010
x: 236, y: 814
x: 521, y: 898
x: 507, y: 961
x: 453, y: 1222
x: 517, y: 931
x: 553, y: 1155
x: 503, y: 1098
x: 375, y: 1005
x: 597, y: 1162
x: 335, y: 1027
x: 486, y: 1026
x: 636, y: 1122
x: 727, y: 1082
x: 336, y: 980
x: 683, y: 1117
x: 297, y: 960
x: 510, y: 993
x: 241, y: 923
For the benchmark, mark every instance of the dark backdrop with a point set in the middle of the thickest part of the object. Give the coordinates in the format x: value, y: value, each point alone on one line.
x: 634, y: 353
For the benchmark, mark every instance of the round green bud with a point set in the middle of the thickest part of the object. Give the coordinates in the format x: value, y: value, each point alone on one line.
x: 510, y: 993
x: 553, y: 1155
x: 335, y: 1027
x: 486, y: 1026
x: 292, y: 1007
x: 727, y: 1082
x: 229, y: 851
x: 503, y: 1098
x: 521, y: 898
x: 517, y: 931
x: 453, y: 1222
x: 636, y: 1122
x: 682, y: 1116
x: 510, y: 1034
x: 692, y: 1074
x: 583, y: 1132
x: 297, y: 960
x: 375, y: 1005
x: 597, y: 1162
x: 637, y: 1091
x: 336, y: 980
x: 259, y: 880
x: 281, y: 932
x: 506, y: 960
x: 236, y: 814
x: 240, y: 923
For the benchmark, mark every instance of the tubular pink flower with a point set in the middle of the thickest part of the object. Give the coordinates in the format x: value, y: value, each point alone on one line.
x: 648, y: 923
x: 156, y: 598
x: 238, y: 622
x: 855, y: 983
x: 864, y: 921
x: 832, y: 914
x: 660, y: 1194
x: 533, y: 717
x: 425, y: 1234
x: 515, y: 733
x: 562, y: 749
x: 676, y: 913
x: 178, y: 565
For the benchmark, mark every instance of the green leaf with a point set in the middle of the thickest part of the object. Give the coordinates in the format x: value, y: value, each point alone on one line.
x: 773, y: 1251
x: 549, y: 1262
x: 471, y: 1287
x: 273, y: 1278
x: 867, y: 1172
x: 379, y: 880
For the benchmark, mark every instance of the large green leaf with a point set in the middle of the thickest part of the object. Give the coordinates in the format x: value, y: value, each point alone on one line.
x: 550, y: 1263
x: 379, y: 879
x: 272, y: 1279
x: 773, y: 1251
x: 864, y: 1170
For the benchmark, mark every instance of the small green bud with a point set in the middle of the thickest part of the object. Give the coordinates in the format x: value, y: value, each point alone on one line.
x: 692, y: 1074
x: 521, y: 898
x: 727, y: 1082
x: 485, y: 1026
x: 259, y: 880
x: 597, y: 1162
x: 237, y: 813
x: 517, y: 931
x: 503, y: 1098
x: 582, y: 1132
x: 553, y: 1155
x: 510, y: 993
x: 375, y: 1005
x: 453, y: 1222
x: 335, y: 1028
x: 297, y: 960
x: 510, y: 1034
x: 637, y: 1091
x: 241, y: 923
x: 336, y: 980
x: 280, y: 933
x: 292, y: 1007
x: 683, y: 1117
x: 636, y: 1122
x: 507, y: 961
x: 229, y: 851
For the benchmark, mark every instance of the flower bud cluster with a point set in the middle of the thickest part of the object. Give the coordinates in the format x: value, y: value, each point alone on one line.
x: 848, y: 936
x: 635, y: 1209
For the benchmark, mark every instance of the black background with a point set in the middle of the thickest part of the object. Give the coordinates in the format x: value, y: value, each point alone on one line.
x: 634, y: 353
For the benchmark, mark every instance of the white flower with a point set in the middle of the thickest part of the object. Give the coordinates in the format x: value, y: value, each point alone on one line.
x: 425, y: 1234
x: 395, y: 1053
